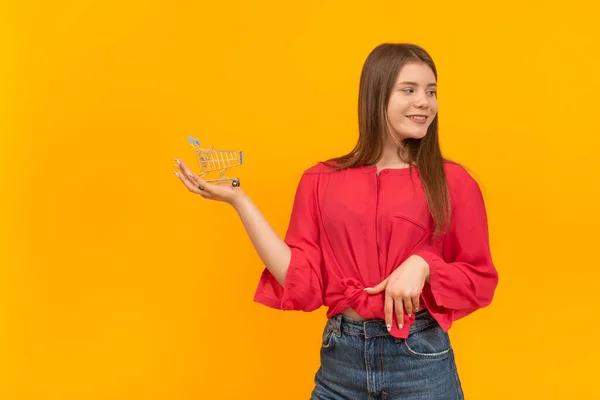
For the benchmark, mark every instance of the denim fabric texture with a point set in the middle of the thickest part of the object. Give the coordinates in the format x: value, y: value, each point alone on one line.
x: 360, y: 360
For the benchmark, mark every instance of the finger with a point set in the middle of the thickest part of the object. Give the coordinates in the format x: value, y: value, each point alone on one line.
x: 408, y: 306
x: 182, y: 165
x: 190, y: 185
x: 185, y: 169
x: 399, y: 311
x: 416, y: 303
x: 183, y: 177
x: 380, y: 287
x: 193, y: 178
x: 388, y: 311
x: 185, y: 180
x: 201, y: 183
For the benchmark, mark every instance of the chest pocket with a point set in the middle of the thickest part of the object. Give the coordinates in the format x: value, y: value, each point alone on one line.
x: 406, y: 234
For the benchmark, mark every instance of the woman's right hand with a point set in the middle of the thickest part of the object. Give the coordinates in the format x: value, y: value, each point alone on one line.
x: 220, y: 192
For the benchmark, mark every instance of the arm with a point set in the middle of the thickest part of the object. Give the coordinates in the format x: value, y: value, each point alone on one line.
x: 292, y: 277
x: 274, y: 252
x: 462, y: 276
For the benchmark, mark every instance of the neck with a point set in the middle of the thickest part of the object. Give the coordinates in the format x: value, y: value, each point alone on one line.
x: 390, y: 158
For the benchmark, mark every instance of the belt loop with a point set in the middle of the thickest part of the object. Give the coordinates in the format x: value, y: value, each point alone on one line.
x: 336, y: 323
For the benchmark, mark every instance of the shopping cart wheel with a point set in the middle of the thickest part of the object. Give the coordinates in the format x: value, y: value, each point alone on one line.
x: 235, y: 183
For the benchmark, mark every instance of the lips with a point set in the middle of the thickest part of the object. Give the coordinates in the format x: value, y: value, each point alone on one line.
x: 418, y: 118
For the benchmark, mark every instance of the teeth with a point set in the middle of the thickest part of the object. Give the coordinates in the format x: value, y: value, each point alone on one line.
x: 418, y: 117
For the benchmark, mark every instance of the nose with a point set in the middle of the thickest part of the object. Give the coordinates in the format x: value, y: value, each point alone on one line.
x: 421, y: 101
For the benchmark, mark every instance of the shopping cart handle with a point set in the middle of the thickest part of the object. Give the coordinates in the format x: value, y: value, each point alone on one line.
x: 193, y: 141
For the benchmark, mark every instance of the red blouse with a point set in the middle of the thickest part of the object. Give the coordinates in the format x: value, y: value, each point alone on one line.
x: 350, y: 229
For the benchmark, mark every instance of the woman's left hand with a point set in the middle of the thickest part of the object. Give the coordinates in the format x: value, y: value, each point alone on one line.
x: 403, y: 288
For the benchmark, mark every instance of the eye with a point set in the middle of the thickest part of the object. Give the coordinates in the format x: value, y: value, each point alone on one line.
x: 408, y: 90
x: 432, y: 93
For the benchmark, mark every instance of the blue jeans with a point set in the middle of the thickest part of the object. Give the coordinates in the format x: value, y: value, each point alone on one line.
x: 361, y: 360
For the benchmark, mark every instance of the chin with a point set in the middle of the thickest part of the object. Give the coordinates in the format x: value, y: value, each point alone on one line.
x: 409, y: 131
x: 420, y: 134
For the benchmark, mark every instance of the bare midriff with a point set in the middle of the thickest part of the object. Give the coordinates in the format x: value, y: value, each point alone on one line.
x: 350, y: 313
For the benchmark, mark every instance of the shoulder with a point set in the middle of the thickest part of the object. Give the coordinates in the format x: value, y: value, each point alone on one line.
x: 460, y: 180
x: 318, y: 176
x: 455, y: 171
x: 311, y: 176
x: 317, y: 169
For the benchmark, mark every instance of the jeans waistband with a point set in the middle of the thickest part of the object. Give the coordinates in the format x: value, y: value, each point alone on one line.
x: 376, y: 327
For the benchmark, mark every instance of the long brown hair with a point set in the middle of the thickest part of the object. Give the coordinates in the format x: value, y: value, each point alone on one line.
x: 378, y: 76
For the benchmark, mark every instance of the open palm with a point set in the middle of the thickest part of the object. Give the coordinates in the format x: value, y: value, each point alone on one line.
x: 219, y: 192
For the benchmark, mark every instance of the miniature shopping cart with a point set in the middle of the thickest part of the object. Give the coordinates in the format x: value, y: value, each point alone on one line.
x: 212, y: 160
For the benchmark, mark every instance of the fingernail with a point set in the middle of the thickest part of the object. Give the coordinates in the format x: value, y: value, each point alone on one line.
x: 400, y: 326
x: 190, y: 175
x: 389, y: 327
x: 409, y: 315
x: 368, y: 288
x: 177, y: 161
x: 176, y: 174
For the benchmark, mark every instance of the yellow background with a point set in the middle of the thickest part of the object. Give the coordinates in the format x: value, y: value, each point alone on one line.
x: 116, y: 283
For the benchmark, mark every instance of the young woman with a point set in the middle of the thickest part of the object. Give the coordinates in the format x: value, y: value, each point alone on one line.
x: 391, y: 237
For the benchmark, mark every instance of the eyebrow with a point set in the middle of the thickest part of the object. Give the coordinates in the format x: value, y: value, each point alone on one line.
x: 416, y: 84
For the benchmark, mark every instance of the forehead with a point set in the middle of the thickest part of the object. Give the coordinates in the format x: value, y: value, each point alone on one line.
x: 416, y: 72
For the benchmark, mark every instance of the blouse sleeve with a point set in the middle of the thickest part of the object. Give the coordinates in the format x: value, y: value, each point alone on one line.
x: 463, y: 277
x: 303, y: 284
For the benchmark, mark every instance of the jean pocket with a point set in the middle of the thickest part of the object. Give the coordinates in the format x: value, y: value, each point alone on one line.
x: 429, y: 343
x: 327, y: 337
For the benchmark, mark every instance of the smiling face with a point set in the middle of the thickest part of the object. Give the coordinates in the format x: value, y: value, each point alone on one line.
x: 412, y: 105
